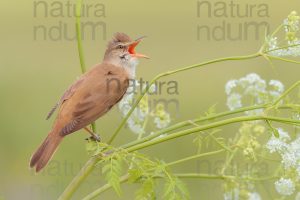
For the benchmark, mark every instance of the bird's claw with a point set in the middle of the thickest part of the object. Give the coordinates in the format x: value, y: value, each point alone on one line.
x: 94, y: 137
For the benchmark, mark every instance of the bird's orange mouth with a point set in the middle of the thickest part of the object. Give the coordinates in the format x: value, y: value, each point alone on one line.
x: 131, y: 49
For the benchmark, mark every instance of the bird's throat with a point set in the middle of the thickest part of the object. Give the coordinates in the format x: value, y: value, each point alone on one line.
x: 131, y: 68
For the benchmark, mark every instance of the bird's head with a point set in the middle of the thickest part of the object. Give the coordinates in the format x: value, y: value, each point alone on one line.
x: 121, y: 51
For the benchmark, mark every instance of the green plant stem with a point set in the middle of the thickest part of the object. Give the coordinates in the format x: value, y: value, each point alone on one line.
x: 230, y: 155
x: 222, y: 177
x: 125, y: 178
x: 84, y: 172
x: 139, y: 137
x: 195, y: 157
x: 104, y: 188
x: 220, y: 143
x: 272, y: 34
x: 210, y: 126
x: 78, y: 34
x: 171, y: 73
x: 295, y: 85
x: 283, y: 59
x: 188, y: 122
x: 228, y: 160
x: 80, y: 47
x: 277, y: 30
x: 279, y: 48
x: 202, y: 119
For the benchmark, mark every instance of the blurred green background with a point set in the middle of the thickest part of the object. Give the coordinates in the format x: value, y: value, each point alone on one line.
x: 36, y: 71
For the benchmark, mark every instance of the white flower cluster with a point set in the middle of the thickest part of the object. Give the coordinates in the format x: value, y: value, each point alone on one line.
x: 291, y: 27
x: 254, y: 87
x: 278, y: 144
x: 290, y: 157
x: 136, y: 121
x: 137, y: 118
x: 285, y: 187
x: 293, y: 50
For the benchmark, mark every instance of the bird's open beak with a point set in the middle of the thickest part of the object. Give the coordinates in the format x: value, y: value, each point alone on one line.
x: 131, y: 48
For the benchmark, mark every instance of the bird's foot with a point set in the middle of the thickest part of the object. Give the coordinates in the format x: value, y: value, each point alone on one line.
x: 94, y: 136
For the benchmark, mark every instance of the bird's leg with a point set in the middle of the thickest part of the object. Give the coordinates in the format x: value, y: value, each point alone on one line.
x: 94, y: 136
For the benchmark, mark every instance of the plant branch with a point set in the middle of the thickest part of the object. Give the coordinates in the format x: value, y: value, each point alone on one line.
x: 283, y: 47
x: 222, y: 177
x: 188, y: 122
x: 210, y: 126
x: 125, y: 178
x: 171, y: 73
x: 283, y: 59
x: 295, y: 85
x: 104, y: 188
x: 195, y: 157
x: 79, y: 37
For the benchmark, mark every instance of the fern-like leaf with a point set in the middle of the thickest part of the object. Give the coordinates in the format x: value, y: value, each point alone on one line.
x: 146, y: 190
x: 113, y: 171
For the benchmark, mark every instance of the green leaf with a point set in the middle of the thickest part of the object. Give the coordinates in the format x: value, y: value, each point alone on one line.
x: 94, y: 147
x: 134, y: 175
x: 113, y: 171
x: 174, y: 189
x: 146, y: 191
x: 276, y: 133
x: 211, y: 110
x: 91, y: 147
x: 182, y: 189
x: 274, y: 130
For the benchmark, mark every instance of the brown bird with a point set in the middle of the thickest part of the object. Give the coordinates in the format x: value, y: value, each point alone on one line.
x: 91, y: 96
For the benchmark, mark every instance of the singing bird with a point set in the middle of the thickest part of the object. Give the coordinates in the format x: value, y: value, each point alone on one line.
x: 91, y: 96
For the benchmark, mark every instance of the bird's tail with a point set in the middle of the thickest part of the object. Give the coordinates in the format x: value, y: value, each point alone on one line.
x: 46, y: 150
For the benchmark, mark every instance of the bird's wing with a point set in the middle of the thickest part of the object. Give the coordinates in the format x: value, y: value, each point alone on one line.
x: 94, y: 97
x: 67, y: 94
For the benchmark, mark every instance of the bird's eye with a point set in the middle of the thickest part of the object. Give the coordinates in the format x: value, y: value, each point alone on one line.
x: 120, y: 46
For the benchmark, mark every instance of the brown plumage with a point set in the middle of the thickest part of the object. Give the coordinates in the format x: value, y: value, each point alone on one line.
x: 91, y: 96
